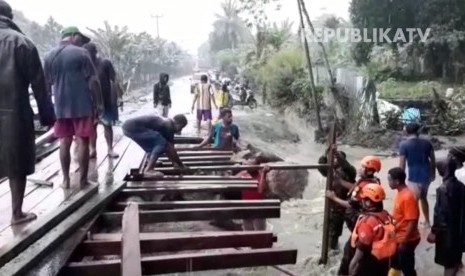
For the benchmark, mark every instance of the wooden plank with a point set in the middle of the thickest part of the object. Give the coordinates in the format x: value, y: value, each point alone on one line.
x: 110, y: 244
x: 192, y: 170
x: 38, y: 229
x: 199, y: 158
x: 130, y: 245
x: 168, y: 189
x: 57, y: 259
x: 202, y: 163
x: 205, y: 153
x: 198, y: 214
x: 189, y: 262
x: 149, y: 184
x: 30, y: 257
x: 166, y: 205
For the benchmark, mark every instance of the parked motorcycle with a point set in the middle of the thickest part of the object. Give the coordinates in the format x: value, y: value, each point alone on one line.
x: 242, y: 97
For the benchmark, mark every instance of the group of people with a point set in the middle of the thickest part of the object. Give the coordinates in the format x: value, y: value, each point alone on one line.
x: 85, y: 93
x: 382, y: 242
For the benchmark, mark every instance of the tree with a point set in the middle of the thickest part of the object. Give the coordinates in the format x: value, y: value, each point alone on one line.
x: 279, y: 35
x: 228, y: 28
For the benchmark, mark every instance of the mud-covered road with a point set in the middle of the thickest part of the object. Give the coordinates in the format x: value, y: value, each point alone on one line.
x: 300, y: 225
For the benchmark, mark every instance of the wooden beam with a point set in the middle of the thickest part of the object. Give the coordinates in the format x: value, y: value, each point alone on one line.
x: 199, y: 158
x: 130, y: 245
x: 166, y: 205
x: 168, y: 164
x: 192, y: 170
x: 190, y: 152
x: 151, y: 184
x: 169, y: 189
x: 187, y: 140
x: 197, y: 214
x: 42, y: 247
x: 189, y: 262
x: 44, y: 225
x: 110, y: 244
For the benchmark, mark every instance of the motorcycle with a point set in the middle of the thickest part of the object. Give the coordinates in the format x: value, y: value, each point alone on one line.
x: 242, y: 97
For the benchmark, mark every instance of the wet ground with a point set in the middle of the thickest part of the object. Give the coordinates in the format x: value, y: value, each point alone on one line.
x: 300, y: 225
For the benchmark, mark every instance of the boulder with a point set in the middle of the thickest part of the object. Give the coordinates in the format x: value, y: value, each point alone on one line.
x: 286, y: 184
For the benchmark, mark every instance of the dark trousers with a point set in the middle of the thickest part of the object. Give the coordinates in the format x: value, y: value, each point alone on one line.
x: 404, y: 259
x: 347, y: 255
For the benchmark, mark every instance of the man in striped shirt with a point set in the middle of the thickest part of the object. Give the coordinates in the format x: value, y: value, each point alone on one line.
x: 204, y: 97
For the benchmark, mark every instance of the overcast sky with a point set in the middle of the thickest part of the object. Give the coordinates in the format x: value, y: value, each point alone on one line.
x: 188, y: 22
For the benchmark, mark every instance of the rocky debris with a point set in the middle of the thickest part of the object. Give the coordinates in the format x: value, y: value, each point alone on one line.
x: 286, y: 184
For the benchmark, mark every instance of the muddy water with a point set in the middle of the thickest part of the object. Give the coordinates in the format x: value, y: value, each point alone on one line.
x: 300, y: 225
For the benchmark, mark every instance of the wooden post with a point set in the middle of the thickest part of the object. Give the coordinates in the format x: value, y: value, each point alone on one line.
x: 130, y: 243
x: 329, y: 182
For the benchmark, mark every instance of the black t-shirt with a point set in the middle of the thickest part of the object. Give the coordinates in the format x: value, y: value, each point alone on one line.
x: 106, y: 74
x: 155, y: 123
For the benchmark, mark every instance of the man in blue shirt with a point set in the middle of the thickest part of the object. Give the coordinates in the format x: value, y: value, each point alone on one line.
x: 156, y: 136
x: 71, y: 77
x: 224, y: 134
x: 418, y: 155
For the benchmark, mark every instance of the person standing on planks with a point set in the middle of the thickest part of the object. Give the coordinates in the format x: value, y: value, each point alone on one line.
x: 370, y: 165
x: 107, y: 78
x: 162, y: 95
x: 204, y: 97
x: 70, y: 73
x: 20, y: 67
x: 155, y: 135
x: 348, y: 173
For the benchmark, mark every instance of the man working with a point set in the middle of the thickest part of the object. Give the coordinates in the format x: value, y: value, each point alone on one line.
x: 418, y: 154
x: 20, y: 67
x: 162, y: 95
x: 155, y: 135
x: 224, y: 134
x: 107, y: 78
x: 406, y: 215
x: 348, y: 173
x: 204, y: 97
x: 69, y: 70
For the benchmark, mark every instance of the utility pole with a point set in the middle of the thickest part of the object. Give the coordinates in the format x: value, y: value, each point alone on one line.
x: 310, y: 70
x: 157, y: 17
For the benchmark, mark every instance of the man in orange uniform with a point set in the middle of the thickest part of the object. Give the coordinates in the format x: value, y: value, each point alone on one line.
x: 374, y: 236
x: 370, y: 165
x: 406, y: 214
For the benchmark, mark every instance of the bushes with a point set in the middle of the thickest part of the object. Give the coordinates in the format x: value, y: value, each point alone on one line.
x: 285, y: 78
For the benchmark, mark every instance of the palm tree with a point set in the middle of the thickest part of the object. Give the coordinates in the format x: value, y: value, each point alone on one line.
x: 280, y: 35
x: 228, y: 25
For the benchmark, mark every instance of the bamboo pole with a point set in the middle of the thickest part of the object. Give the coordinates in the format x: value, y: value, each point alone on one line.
x: 310, y: 69
x: 329, y: 182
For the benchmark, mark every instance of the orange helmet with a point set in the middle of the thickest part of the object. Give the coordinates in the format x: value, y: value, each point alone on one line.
x: 375, y: 192
x: 371, y: 162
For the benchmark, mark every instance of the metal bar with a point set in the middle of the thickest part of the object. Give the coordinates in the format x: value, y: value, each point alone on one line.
x: 45, y: 138
x: 175, y: 178
x: 130, y: 245
x: 171, y: 242
x: 198, y: 214
x: 158, y: 205
x: 239, y: 168
x: 167, y: 189
x: 329, y: 182
x: 199, y: 158
x: 209, y: 152
x: 202, y: 163
x: 151, y: 184
x: 189, y: 262
x: 187, y: 140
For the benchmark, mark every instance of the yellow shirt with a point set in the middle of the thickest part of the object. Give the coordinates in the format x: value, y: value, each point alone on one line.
x: 222, y: 98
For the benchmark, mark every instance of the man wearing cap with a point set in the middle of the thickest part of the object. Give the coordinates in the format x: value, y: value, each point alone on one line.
x: 19, y: 67
x: 70, y: 74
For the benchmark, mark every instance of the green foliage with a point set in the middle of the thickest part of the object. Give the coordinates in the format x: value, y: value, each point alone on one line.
x: 402, y: 89
x: 228, y: 61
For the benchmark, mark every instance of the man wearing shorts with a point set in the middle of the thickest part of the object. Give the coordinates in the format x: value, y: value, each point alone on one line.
x: 69, y: 73
x: 204, y: 97
x: 418, y: 155
x: 107, y: 78
x: 155, y: 135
